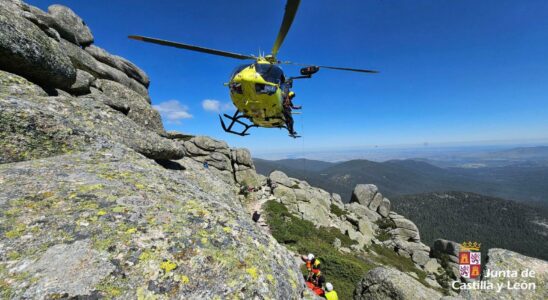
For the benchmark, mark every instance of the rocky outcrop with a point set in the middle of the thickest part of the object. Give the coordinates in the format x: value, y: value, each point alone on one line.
x: 232, y: 165
x: 518, y: 276
x: 369, y: 203
x: 215, y: 153
x: 119, y: 63
x: 85, y: 61
x: 27, y: 51
x: 46, y: 48
x: 370, y: 207
x: 83, y: 83
x: 310, y: 203
x: 405, y: 240
x: 384, y: 208
x: 507, y: 275
x: 244, y: 169
x: 363, y: 212
x: 405, y: 229
x: 448, y: 253
x: 137, y: 230
x: 359, y: 219
x: 70, y: 26
x: 279, y: 178
x: 337, y: 200
x: 60, y: 270
x: 11, y: 84
x: 138, y: 108
x: 382, y: 283
x: 33, y: 125
x: 364, y: 194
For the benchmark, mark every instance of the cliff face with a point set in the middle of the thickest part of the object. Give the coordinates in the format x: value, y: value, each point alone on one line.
x: 90, y: 203
x: 111, y: 222
x: 98, y: 200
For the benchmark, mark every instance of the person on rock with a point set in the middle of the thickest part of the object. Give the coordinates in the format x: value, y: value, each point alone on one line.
x: 316, y: 283
x: 312, y: 264
x: 330, y: 294
x: 287, y: 106
x: 256, y: 216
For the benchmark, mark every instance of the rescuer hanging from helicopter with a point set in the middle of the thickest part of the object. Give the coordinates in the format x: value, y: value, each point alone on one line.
x: 256, y: 86
x: 288, y: 106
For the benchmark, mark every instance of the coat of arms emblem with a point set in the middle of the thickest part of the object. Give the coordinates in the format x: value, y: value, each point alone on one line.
x: 470, y: 260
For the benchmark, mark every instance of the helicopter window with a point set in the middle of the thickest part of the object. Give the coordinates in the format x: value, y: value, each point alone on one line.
x: 237, y: 70
x: 236, y: 88
x: 270, y: 73
x: 265, y: 89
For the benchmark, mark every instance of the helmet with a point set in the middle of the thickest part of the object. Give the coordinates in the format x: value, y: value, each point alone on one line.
x: 329, y: 286
x: 291, y: 94
x: 310, y: 256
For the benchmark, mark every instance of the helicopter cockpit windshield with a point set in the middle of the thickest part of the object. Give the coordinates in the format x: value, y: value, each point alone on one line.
x: 237, y: 70
x: 270, y: 73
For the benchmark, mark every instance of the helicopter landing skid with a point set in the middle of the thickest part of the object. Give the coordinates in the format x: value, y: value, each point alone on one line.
x: 235, y: 119
x: 294, y: 136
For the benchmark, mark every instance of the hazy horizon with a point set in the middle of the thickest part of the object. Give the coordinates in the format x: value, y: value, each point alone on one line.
x: 398, y: 151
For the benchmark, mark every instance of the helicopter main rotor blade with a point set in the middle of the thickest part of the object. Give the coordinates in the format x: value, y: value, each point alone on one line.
x: 290, y: 12
x: 191, y: 47
x: 329, y: 67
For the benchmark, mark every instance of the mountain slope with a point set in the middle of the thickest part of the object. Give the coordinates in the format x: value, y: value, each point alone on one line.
x: 492, y: 221
x: 397, y: 177
x: 307, y: 164
x: 394, y: 177
x: 266, y: 166
x: 521, y: 182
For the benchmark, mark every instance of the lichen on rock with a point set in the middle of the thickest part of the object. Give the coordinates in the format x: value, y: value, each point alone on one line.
x: 26, y: 50
x: 140, y: 226
x: 35, y: 126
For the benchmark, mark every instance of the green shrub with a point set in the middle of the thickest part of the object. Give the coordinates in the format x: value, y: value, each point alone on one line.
x: 343, y: 270
x: 385, y: 225
x: 337, y: 211
x: 383, y: 235
x: 388, y: 257
x: 446, y: 277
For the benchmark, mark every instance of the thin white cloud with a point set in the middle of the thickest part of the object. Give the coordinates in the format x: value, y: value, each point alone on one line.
x: 211, y: 105
x: 173, y: 111
x: 216, y: 105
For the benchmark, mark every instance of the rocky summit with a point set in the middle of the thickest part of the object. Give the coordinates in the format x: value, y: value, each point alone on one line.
x: 99, y: 201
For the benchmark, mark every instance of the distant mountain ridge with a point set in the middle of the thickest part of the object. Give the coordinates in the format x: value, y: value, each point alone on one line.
x: 520, y: 182
x: 303, y: 163
x: 523, y: 152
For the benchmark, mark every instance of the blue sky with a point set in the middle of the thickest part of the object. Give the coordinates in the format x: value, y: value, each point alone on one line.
x: 451, y: 71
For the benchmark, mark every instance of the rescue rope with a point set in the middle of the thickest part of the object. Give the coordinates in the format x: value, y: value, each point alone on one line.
x: 302, y: 143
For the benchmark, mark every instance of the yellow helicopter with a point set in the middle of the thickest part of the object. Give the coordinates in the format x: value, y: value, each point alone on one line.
x: 259, y: 89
